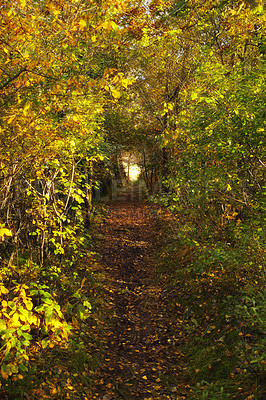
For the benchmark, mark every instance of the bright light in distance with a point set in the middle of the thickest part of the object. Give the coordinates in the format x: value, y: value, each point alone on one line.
x: 134, y: 172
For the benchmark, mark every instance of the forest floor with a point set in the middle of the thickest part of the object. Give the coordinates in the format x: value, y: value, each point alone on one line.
x: 157, y: 330
x: 142, y: 334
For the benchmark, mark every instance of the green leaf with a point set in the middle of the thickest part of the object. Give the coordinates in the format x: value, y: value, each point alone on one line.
x: 81, y: 311
x: 27, y: 336
x: 87, y: 304
x: 2, y: 326
x: 177, y: 8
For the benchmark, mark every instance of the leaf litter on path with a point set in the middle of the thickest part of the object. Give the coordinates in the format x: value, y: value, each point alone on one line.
x: 141, y: 353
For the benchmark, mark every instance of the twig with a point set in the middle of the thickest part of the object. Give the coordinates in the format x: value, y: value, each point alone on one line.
x: 233, y: 198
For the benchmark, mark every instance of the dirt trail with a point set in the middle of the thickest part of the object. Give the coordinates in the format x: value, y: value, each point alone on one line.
x: 141, y: 339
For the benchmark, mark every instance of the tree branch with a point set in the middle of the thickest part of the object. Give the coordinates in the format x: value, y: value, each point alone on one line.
x: 12, y: 78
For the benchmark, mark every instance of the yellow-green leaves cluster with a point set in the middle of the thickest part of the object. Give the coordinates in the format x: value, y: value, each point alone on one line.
x: 4, y: 232
x: 53, y: 91
x: 30, y: 319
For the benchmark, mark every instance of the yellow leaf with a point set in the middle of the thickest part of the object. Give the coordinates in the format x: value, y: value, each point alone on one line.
x: 39, y: 174
x: 4, y: 232
x: 82, y: 23
x: 26, y: 108
x: 116, y: 94
x: 15, y: 320
x: 116, y: 79
x: 126, y: 82
x: 82, y: 283
x: 108, y: 25
x: 3, y: 290
x: 93, y: 38
x: 44, y: 343
x: 113, y: 25
x: 29, y: 305
x: 4, y: 304
x: 11, y: 119
x: 144, y: 377
x: 33, y: 320
x: 23, y: 3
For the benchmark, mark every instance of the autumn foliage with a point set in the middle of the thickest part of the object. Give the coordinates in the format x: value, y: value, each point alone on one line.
x: 180, y: 83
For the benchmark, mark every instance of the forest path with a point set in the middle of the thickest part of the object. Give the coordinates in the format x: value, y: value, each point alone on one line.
x: 141, y: 336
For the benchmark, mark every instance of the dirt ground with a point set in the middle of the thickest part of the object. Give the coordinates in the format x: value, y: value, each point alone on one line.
x: 141, y: 338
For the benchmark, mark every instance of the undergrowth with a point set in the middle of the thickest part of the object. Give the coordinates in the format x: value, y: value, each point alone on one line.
x: 63, y: 369
x: 217, y: 278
